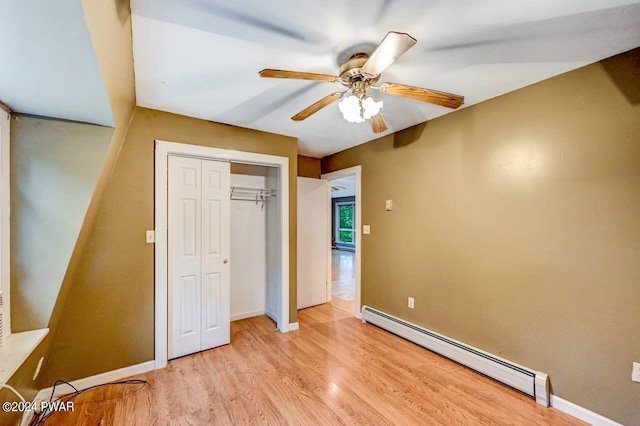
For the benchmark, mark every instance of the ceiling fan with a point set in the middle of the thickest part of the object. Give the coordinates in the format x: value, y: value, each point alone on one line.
x: 361, y: 71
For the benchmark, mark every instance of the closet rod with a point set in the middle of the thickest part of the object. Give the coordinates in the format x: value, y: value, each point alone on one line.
x: 244, y: 191
x: 258, y: 195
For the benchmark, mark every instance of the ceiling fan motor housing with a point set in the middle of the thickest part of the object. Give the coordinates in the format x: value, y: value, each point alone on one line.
x: 350, y: 73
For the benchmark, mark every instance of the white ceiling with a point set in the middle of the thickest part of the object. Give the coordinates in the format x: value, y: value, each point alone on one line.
x: 47, y: 63
x: 344, y: 187
x: 201, y: 58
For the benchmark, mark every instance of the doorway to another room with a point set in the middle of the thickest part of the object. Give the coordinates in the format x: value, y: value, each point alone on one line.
x: 343, y: 243
x: 345, y: 239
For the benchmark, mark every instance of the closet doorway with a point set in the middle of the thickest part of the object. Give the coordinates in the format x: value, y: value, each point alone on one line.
x: 276, y: 226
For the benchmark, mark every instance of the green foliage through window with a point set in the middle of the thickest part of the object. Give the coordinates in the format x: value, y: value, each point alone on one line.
x: 346, y: 216
x: 346, y: 223
x: 346, y: 236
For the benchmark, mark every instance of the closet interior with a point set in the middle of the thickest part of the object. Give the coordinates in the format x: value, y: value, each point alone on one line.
x: 255, y: 215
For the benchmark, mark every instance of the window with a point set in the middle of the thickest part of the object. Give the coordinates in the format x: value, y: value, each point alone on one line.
x: 345, y: 232
x: 16, y: 347
x: 4, y: 216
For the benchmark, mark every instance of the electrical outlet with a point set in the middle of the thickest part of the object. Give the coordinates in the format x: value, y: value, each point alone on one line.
x: 411, y: 303
x: 388, y: 205
x: 151, y: 237
x: 366, y: 229
x: 635, y: 372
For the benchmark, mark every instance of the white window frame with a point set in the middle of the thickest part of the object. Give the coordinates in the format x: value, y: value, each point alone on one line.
x: 5, y: 206
x: 336, y: 216
x: 16, y: 347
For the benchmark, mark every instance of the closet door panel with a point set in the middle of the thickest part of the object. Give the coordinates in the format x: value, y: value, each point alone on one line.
x: 185, y: 258
x: 189, y: 324
x: 216, y: 248
x: 211, y: 295
x: 199, y: 246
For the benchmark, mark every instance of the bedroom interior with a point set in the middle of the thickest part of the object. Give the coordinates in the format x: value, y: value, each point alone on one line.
x: 512, y: 228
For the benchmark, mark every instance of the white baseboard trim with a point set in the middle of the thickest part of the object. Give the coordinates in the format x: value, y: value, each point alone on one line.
x: 294, y: 326
x: 244, y: 315
x: 272, y: 315
x: 98, y: 379
x: 581, y: 413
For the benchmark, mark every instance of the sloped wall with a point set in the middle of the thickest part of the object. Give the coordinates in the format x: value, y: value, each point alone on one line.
x: 109, y: 24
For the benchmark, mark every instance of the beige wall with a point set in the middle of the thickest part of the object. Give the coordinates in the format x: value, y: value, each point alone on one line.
x: 109, y: 24
x: 516, y: 229
x: 108, y: 321
x: 309, y: 167
x: 248, y: 169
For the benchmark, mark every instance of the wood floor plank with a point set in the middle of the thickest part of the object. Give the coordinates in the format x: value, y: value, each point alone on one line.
x: 333, y: 370
x: 380, y: 376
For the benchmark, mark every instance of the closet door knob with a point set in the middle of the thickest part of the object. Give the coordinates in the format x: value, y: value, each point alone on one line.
x: 225, y: 261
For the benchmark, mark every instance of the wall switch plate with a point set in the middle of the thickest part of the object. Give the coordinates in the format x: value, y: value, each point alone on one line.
x: 151, y: 237
x: 411, y: 303
x: 366, y: 229
x: 388, y: 205
x: 635, y: 372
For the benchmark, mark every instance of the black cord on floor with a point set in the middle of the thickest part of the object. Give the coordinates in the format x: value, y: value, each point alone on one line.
x: 39, y: 418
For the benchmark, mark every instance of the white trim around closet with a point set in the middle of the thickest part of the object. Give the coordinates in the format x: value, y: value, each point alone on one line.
x: 162, y: 151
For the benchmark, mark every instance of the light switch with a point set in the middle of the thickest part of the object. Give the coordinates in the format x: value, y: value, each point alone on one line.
x: 366, y: 229
x: 388, y: 205
x: 151, y: 237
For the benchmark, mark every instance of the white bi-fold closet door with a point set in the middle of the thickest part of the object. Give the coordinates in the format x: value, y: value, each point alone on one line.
x: 198, y: 250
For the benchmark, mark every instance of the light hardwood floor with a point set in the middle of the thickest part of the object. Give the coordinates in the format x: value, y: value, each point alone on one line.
x: 333, y: 370
x: 343, y: 279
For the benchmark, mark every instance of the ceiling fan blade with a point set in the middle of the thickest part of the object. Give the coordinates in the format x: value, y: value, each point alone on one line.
x: 270, y: 73
x: 448, y: 100
x: 377, y: 123
x: 317, y: 106
x: 392, y: 46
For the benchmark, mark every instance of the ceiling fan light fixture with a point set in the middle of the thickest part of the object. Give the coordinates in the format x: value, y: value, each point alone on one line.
x: 359, y: 71
x: 355, y: 110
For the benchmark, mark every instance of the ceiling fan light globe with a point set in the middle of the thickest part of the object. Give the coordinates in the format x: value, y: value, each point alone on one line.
x: 350, y: 109
x: 370, y: 107
x: 355, y: 111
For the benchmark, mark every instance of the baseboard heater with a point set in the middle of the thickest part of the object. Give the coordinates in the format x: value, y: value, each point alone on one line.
x: 531, y: 382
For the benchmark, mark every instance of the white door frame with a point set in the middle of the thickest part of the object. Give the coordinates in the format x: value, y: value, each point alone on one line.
x: 357, y: 172
x: 162, y: 151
